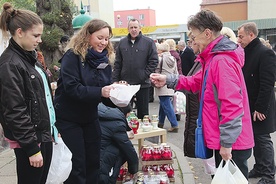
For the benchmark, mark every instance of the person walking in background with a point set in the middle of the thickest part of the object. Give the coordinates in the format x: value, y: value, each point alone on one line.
x: 116, y: 148
x: 175, y: 54
x: 229, y: 33
x: 187, y: 57
x: 26, y: 114
x: 84, y: 82
x: 226, y: 121
x: 259, y: 73
x: 136, y: 58
x: 265, y: 43
x: 166, y: 65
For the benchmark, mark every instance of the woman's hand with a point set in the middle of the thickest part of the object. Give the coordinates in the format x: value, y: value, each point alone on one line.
x: 158, y: 80
x: 106, y: 91
x: 36, y: 160
x: 130, y: 134
x: 225, y: 153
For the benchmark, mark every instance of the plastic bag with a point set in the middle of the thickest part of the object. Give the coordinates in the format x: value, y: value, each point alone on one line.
x: 61, y: 164
x: 122, y: 94
x: 229, y: 173
x: 179, y: 103
x: 210, y: 165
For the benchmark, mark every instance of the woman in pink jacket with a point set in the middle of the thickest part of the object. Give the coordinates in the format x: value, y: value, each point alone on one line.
x: 226, y: 118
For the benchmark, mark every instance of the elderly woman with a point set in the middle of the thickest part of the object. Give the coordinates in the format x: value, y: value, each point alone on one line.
x: 226, y: 118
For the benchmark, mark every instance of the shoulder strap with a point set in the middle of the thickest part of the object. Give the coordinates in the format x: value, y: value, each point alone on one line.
x: 161, y: 64
x: 199, y: 122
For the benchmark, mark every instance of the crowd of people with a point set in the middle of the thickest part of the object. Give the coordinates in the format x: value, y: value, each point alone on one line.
x: 233, y: 77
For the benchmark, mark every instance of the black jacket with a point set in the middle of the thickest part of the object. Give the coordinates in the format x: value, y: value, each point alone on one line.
x: 116, y: 148
x: 192, y: 108
x: 23, y: 112
x: 135, y: 61
x: 79, y: 90
x: 187, y: 60
x: 259, y: 73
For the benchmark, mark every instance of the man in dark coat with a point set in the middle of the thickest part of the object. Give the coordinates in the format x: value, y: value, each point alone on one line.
x: 116, y: 148
x: 259, y: 73
x: 136, y: 59
x: 187, y: 57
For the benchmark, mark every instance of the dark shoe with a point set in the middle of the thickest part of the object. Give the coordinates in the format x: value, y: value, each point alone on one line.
x: 173, y: 129
x: 254, y: 174
x: 160, y: 125
x: 178, y: 117
x: 266, y: 181
x: 151, y: 100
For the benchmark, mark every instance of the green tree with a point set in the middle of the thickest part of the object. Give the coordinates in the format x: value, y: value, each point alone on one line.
x: 24, y: 4
x: 57, y: 17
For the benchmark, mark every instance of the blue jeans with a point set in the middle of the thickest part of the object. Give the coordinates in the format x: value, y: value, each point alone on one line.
x: 166, y: 109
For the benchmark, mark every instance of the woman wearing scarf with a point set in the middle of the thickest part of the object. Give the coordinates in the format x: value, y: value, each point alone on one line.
x: 84, y: 82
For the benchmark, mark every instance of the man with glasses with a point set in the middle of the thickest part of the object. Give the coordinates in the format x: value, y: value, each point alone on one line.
x: 259, y: 73
x: 226, y: 120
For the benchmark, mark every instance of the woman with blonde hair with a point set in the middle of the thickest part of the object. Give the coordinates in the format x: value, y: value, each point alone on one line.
x: 226, y: 31
x: 166, y: 65
x: 265, y: 43
x: 175, y: 54
x: 84, y: 82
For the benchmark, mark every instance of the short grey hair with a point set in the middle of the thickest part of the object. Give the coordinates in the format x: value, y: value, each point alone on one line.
x: 249, y: 27
x: 182, y: 43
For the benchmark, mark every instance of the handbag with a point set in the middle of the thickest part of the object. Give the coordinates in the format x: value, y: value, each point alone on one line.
x: 229, y: 173
x: 61, y: 164
x: 201, y: 150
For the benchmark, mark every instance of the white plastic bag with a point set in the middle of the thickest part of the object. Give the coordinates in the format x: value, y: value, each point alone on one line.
x: 210, y: 166
x: 229, y: 174
x: 61, y: 164
x: 122, y: 94
x: 179, y: 103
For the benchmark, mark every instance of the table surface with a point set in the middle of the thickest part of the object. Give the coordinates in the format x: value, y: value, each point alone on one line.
x: 152, y: 133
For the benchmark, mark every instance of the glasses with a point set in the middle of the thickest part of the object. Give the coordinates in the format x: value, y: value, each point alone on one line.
x: 194, y: 37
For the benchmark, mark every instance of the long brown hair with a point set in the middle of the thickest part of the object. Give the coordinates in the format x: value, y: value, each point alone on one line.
x: 80, y: 42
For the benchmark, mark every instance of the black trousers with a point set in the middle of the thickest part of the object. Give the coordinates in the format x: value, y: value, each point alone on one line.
x: 240, y: 157
x: 263, y: 152
x: 84, y: 141
x: 142, y: 97
x: 35, y: 175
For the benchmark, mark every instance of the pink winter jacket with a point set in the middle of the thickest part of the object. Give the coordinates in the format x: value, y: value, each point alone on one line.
x: 226, y: 115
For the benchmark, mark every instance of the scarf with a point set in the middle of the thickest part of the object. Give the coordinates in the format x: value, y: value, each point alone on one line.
x: 95, y: 58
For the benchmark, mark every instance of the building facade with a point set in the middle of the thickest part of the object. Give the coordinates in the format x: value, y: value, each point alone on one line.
x: 236, y: 12
x: 101, y: 9
x: 146, y: 17
x: 228, y: 10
